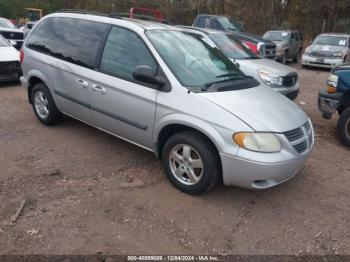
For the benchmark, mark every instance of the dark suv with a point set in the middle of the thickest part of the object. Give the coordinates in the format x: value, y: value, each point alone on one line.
x: 289, y: 44
x: 260, y: 46
x: 336, y: 98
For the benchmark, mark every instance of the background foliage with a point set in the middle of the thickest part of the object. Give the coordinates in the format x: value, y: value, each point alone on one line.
x: 309, y: 16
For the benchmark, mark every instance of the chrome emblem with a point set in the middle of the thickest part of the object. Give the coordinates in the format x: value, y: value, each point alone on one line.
x: 12, y: 35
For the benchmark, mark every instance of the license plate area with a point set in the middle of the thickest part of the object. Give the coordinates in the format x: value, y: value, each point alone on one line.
x: 320, y: 60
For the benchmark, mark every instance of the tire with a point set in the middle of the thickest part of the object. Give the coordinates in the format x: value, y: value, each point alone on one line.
x: 297, y: 58
x: 200, y: 153
x: 43, y: 105
x: 343, y: 127
x: 284, y: 58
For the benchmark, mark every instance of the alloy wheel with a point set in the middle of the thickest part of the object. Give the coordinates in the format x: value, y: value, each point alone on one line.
x: 186, y: 164
x: 41, y: 105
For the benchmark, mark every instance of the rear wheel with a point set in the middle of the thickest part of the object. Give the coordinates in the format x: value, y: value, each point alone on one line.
x: 191, y: 162
x: 43, y: 105
x: 344, y: 127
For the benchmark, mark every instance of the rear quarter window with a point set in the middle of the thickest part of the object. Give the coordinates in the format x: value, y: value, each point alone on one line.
x: 73, y: 40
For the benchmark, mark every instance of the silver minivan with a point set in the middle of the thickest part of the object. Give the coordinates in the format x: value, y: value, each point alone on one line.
x: 168, y: 92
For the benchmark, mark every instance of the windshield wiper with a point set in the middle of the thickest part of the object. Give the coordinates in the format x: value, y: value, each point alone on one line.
x: 206, y: 86
x: 236, y: 76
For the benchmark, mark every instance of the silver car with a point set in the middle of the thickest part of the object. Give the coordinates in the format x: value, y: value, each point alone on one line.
x: 168, y: 92
x: 328, y: 51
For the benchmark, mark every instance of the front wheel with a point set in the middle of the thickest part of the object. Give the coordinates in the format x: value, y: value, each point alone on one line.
x: 43, y: 105
x: 284, y: 58
x: 297, y: 58
x: 191, y: 162
x: 344, y: 127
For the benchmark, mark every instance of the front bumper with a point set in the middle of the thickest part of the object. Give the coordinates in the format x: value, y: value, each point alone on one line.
x: 290, y: 92
x: 259, y: 175
x: 328, y: 103
x: 321, y: 62
x: 10, y: 71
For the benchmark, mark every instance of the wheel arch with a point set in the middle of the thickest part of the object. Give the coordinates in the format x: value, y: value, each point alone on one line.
x: 170, y: 128
x: 34, y: 78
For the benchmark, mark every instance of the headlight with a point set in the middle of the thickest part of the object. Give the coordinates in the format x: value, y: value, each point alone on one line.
x: 332, y: 83
x: 258, y: 142
x: 270, y: 79
x: 338, y: 54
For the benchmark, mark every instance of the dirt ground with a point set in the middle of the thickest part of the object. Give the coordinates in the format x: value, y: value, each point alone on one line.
x: 71, y: 176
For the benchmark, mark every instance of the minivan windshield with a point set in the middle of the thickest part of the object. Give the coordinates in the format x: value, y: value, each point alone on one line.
x: 232, y: 48
x: 6, y: 23
x: 330, y: 40
x: 196, y: 61
x: 277, y: 36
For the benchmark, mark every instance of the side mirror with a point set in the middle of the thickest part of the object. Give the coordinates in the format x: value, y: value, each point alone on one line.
x: 145, y: 74
x: 13, y: 43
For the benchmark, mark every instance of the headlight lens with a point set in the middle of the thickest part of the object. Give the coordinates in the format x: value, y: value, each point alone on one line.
x: 338, y: 54
x: 332, y: 83
x: 270, y: 79
x: 258, y: 142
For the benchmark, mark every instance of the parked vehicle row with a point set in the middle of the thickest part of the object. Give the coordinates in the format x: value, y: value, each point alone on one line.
x: 260, y: 46
x: 269, y: 73
x: 169, y: 91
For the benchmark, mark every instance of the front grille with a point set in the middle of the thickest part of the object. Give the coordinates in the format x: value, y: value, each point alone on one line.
x: 321, y: 54
x: 300, y: 148
x: 290, y: 80
x: 301, y: 138
x: 294, y: 134
x: 9, y: 67
x: 12, y: 35
x: 268, y: 51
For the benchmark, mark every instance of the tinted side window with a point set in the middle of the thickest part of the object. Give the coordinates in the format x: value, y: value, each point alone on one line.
x: 300, y: 36
x: 201, y: 22
x: 73, y: 40
x: 124, y: 50
x: 293, y: 37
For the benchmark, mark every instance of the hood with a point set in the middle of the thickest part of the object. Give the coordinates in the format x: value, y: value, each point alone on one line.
x: 278, y: 69
x: 8, y: 53
x: 280, y: 43
x: 261, y: 108
x: 326, y: 48
x: 252, y: 38
x: 13, y: 30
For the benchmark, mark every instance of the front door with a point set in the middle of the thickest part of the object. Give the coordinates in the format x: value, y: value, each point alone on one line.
x: 120, y: 104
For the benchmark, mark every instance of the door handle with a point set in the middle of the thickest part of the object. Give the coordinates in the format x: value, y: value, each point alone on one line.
x: 82, y: 83
x: 98, y: 88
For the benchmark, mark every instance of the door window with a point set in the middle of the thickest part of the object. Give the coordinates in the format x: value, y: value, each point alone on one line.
x: 124, y: 50
x: 73, y: 40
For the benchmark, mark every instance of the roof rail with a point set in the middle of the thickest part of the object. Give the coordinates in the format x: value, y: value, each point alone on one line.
x: 87, y: 12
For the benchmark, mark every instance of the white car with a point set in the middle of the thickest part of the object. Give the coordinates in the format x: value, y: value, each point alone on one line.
x: 10, y: 68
